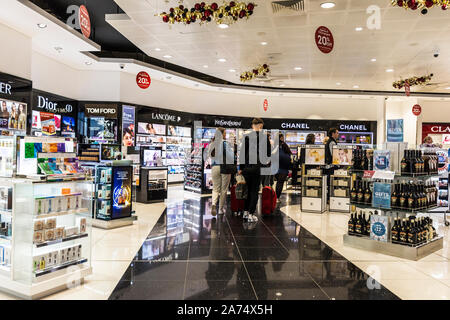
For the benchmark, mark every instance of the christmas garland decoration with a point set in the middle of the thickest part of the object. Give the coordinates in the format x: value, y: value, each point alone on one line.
x: 260, y: 71
x: 421, y: 4
x: 414, y: 81
x: 228, y: 13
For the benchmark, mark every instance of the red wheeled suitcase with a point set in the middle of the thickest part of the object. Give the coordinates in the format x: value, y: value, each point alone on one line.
x: 268, y: 201
x: 236, y: 205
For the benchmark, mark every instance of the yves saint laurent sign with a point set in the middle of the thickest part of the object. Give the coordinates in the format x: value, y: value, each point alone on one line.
x: 47, y: 105
x: 290, y: 125
x: 101, y: 110
x: 5, y: 88
x: 227, y: 123
x: 165, y: 117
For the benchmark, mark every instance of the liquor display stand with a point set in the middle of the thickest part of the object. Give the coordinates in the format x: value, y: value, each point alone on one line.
x: 403, y: 229
x: 153, y: 185
x: 314, y: 192
x: 45, y: 236
x: 111, y: 193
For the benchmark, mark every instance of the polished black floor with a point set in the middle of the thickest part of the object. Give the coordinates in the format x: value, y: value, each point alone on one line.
x: 191, y: 255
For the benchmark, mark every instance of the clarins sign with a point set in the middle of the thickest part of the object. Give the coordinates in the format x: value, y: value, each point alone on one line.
x: 5, y: 88
x: 46, y: 104
x: 165, y: 117
x: 101, y: 110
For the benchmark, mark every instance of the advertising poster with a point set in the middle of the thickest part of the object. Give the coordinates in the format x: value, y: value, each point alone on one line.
x: 13, y: 115
x: 342, y: 156
x: 67, y: 125
x: 128, y: 130
x: 315, y: 156
x: 48, y: 125
x: 121, y: 196
x: 381, y: 195
x: 152, y: 128
x: 394, y: 130
x: 102, y: 129
x: 179, y: 131
x: 381, y: 160
x: 379, y: 228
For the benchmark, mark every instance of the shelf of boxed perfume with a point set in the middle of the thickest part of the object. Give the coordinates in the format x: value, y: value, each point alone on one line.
x: 52, y: 261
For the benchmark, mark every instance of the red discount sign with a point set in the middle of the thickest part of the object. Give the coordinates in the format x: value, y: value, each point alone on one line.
x: 85, y: 21
x: 265, y: 105
x: 407, y: 89
x: 417, y: 110
x: 324, y: 39
x: 143, y: 80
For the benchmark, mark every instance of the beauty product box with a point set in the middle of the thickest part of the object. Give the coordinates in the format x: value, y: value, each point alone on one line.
x: 39, y: 225
x: 81, y: 224
x: 50, y: 223
x: 59, y: 233
x: 49, y: 234
x: 70, y: 231
x: 38, y: 236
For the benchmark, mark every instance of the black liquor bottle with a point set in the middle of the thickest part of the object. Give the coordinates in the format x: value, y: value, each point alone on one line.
x: 351, y: 224
x: 403, y: 232
x: 403, y: 203
x: 395, y: 231
x: 404, y: 163
x: 367, y: 195
x: 360, y: 195
x: 358, y: 225
x: 394, y: 197
x: 354, y: 192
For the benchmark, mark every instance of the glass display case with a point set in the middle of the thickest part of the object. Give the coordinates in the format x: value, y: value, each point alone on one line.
x: 7, y: 155
x: 46, y: 242
x: 340, y: 193
x: 314, y: 192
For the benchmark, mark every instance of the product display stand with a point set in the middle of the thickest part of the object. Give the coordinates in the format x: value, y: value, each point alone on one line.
x: 112, y: 193
x: 314, y: 192
x: 340, y: 193
x: 47, y: 245
x: 153, y: 185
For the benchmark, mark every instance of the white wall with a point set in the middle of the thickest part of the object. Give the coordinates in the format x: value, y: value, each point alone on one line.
x: 15, y: 53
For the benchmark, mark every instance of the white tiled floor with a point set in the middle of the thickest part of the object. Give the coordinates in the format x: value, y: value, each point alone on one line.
x: 428, y: 278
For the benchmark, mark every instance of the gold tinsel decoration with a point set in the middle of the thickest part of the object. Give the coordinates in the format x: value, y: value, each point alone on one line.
x: 227, y: 13
x: 414, y: 81
x: 262, y: 70
x: 423, y: 5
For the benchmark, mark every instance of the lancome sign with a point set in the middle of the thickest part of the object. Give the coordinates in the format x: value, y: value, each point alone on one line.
x: 165, y: 117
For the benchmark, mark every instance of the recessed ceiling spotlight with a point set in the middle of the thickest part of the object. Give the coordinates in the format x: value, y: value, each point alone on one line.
x: 373, y: 60
x: 282, y: 85
x: 42, y: 25
x: 222, y: 60
x: 232, y: 70
x: 88, y: 63
x: 355, y: 86
x: 298, y: 68
x: 264, y: 43
x: 223, y: 26
x: 448, y: 88
x: 157, y: 49
x: 328, y: 5
x: 358, y: 28
x: 338, y: 83
x: 205, y: 66
x: 389, y: 70
x: 167, y: 56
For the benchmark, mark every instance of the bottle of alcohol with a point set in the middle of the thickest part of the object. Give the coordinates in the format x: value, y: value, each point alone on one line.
x: 432, y: 230
x: 368, y: 224
x: 351, y: 225
x: 367, y: 195
x: 425, y: 231
x: 353, y: 192
x: 403, y: 203
x: 410, y: 232
x: 360, y: 192
x: 394, y: 197
x: 419, y: 231
x: 403, y: 232
x: 410, y: 200
x: 404, y: 163
x: 358, y: 225
x: 366, y: 161
x: 394, y: 231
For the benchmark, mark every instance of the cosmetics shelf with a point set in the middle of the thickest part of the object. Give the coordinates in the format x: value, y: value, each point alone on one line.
x: 59, y: 267
x: 49, y: 243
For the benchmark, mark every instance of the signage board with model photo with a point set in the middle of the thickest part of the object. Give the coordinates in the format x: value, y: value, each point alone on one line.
x: 53, y: 115
x: 99, y: 121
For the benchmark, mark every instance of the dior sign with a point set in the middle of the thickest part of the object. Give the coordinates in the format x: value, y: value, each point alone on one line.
x: 45, y: 103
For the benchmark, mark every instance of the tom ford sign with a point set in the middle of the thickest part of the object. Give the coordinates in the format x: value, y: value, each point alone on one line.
x: 101, y: 110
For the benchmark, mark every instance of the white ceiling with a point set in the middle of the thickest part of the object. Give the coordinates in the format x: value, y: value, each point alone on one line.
x: 404, y: 43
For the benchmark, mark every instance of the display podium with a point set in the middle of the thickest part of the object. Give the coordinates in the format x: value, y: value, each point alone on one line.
x: 153, y: 185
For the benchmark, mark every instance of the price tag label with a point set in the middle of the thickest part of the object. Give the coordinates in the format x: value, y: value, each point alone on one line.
x: 324, y: 39
x: 385, y: 175
x: 368, y: 174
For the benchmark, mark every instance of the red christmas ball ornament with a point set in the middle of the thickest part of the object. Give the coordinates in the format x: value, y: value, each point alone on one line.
x: 429, y: 3
x: 181, y: 7
x: 214, y: 6
x: 415, y: 7
x: 444, y: 7
x: 171, y: 9
x: 250, y: 7
x: 265, y: 66
x: 166, y: 19
x: 411, y: 3
x: 188, y: 21
x: 203, y: 18
x: 400, y: 3
x: 232, y: 4
x: 207, y: 13
x: 242, y: 14
x: 197, y: 6
x: 203, y: 4
x: 255, y: 71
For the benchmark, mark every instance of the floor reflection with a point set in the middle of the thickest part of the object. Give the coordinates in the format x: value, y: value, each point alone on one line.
x: 191, y: 255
